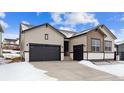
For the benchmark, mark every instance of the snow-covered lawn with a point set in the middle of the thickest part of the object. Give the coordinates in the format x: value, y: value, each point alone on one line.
x: 11, y: 53
x: 114, y: 69
x: 22, y: 71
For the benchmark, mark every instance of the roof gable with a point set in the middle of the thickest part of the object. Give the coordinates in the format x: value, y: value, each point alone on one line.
x: 107, y: 30
x: 89, y: 30
x: 71, y: 34
x: 68, y: 34
x: 25, y: 26
x: 47, y: 25
x: 98, y: 28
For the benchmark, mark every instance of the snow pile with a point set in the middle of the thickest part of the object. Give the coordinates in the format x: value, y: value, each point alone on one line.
x: 22, y: 71
x: 15, y: 52
x: 8, y: 55
x: 1, y: 60
x: 11, y: 53
x: 114, y: 69
x: 89, y: 64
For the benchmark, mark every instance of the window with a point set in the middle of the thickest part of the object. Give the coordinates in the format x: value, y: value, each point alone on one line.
x: 95, y: 47
x: 46, y: 36
x: 108, y: 46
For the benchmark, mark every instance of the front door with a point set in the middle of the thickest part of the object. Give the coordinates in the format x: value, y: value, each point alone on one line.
x: 78, y: 52
x: 66, y: 49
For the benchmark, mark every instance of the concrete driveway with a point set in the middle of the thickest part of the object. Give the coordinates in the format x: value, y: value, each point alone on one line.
x: 72, y: 71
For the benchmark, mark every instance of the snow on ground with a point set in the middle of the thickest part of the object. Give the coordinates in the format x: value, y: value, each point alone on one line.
x: 22, y: 71
x: 114, y: 69
x: 11, y: 53
x: 4, y: 61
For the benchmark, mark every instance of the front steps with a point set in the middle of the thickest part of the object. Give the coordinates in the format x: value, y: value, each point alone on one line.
x: 67, y: 58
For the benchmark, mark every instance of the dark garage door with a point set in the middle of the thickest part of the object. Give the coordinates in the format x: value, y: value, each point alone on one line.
x: 40, y: 52
x: 78, y: 52
x: 121, y: 55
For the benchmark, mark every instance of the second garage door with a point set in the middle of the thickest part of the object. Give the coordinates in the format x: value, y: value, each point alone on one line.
x: 121, y: 55
x: 40, y: 52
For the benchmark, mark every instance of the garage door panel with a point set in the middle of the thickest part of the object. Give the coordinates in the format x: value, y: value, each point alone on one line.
x: 44, y: 52
x: 121, y: 55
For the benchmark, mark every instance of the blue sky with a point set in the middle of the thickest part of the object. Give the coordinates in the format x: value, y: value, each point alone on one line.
x: 76, y: 21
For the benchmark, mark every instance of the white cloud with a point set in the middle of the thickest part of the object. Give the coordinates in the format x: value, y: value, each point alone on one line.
x: 10, y: 36
x: 122, y: 29
x: 4, y: 24
x: 122, y: 18
x: 2, y: 15
x: 57, y: 17
x: 25, y: 22
x: 67, y: 28
x: 81, y: 18
x: 120, y: 35
x: 74, y: 18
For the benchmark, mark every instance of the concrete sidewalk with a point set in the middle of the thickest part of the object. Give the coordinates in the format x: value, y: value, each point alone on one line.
x: 72, y: 71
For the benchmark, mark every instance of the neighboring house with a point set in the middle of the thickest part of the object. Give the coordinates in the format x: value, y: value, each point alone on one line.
x: 12, y: 44
x: 1, y: 31
x: 120, y: 50
x: 44, y: 42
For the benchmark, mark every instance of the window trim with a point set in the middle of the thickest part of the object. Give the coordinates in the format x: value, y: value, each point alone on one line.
x: 46, y: 36
x: 105, y: 46
x: 99, y: 46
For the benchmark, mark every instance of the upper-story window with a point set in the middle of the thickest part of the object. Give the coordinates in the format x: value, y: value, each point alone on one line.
x: 46, y: 36
x: 108, y: 46
x: 95, y: 45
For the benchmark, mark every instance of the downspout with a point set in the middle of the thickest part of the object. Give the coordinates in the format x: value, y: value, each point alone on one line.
x: 1, y: 43
x: 1, y: 32
x: 103, y: 49
x: 19, y: 34
x: 103, y: 44
x: 87, y: 47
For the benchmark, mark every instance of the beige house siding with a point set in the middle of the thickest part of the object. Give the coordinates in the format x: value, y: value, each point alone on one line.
x: 102, y: 38
x: 97, y: 35
x: 22, y: 40
x: 109, y: 38
x: 37, y: 36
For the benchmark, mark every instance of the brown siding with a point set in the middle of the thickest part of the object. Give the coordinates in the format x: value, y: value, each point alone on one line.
x: 98, y: 35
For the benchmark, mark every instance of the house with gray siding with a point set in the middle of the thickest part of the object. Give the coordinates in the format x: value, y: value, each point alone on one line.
x: 120, y: 50
x: 1, y: 31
